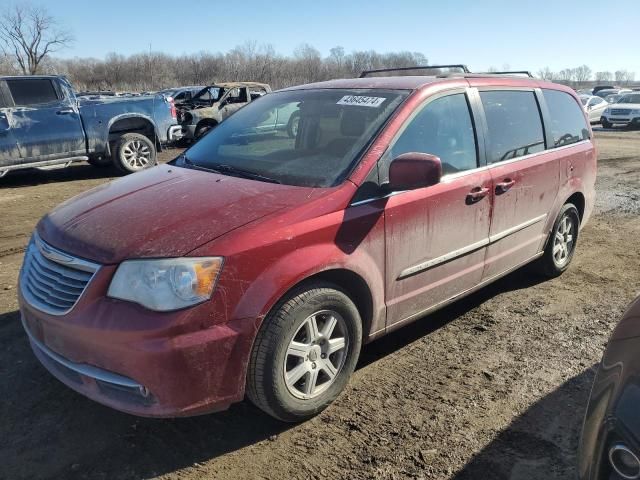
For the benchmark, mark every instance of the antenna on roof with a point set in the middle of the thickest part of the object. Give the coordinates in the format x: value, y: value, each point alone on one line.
x: 367, y: 73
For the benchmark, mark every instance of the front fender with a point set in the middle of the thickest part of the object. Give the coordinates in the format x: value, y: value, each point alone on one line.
x: 301, y: 264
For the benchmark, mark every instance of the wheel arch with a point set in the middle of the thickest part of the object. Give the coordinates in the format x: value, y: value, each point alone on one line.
x: 133, y: 124
x: 568, y: 195
x: 578, y: 200
x: 353, y: 284
x: 206, y: 121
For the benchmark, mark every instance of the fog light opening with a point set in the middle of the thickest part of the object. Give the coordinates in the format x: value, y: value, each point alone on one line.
x: 624, y: 462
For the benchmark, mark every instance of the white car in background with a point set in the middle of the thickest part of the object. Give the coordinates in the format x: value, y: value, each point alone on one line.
x: 594, y: 106
x: 625, y: 112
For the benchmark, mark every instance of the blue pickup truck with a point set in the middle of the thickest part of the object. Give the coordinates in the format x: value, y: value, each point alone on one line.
x: 44, y: 124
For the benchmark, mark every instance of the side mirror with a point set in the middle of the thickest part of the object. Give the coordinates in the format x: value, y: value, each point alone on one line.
x: 414, y: 170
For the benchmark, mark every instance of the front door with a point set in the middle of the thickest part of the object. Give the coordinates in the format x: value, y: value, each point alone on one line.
x: 9, y: 153
x: 525, y: 178
x: 436, y: 237
x: 233, y: 101
x: 45, y: 120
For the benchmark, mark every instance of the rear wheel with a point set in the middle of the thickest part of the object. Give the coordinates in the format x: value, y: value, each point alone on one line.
x: 202, y: 129
x: 561, y: 244
x: 304, y: 353
x: 134, y: 152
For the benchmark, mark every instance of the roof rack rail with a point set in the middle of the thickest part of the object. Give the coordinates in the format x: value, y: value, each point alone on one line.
x: 460, y: 66
x: 513, y: 72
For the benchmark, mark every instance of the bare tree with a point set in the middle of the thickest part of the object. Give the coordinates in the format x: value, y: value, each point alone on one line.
x: 582, y: 74
x: 29, y: 34
x: 604, y: 76
x: 546, y: 74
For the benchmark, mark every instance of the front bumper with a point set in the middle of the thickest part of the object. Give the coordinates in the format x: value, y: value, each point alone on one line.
x: 612, y: 414
x: 189, y: 131
x: 621, y: 120
x: 142, y: 362
x: 174, y: 133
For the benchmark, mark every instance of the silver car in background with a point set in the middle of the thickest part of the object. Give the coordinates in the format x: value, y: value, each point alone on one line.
x: 594, y: 106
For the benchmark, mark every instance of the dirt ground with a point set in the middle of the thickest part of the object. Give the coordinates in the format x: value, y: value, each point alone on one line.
x: 492, y: 387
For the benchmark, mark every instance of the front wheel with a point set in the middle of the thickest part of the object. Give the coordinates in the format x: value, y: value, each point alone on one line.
x: 134, y: 152
x: 293, y: 124
x: 562, y: 242
x: 606, y: 124
x: 304, y: 353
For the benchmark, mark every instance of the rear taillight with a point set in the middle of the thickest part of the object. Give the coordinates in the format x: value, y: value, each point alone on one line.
x: 172, y: 106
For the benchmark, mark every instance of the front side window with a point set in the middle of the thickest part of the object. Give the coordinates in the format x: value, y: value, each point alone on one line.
x: 332, y: 129
x: 568, y: 124
x: 442, y: 128
x: 26, y: 92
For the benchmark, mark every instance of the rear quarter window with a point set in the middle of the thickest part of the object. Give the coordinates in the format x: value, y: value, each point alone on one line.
x: 568, y: 124
x: 26, y: 92
x: 513, y: 122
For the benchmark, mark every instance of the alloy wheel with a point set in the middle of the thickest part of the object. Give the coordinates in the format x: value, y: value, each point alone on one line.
x: 136, y: 154
x: 563, y: 241
x: 316, y: 354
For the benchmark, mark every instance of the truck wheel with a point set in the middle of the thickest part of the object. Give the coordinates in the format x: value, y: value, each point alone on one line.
x: 134, y: 152
x: 561, y: 244
x: 293, y: 124
x: 304, y: 353
x: 202, y: 129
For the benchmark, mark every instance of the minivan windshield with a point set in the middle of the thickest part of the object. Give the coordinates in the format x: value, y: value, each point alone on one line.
x: 298, y: 137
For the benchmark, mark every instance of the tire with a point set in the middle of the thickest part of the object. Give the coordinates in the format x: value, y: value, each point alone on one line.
x: 553, y: 264
x: 320, y: 304
x: 292, y: 125
x: 202, y: 129
x: 133, y: 152
x: 606, y: 124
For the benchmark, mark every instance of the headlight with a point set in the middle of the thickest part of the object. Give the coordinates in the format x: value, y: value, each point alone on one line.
x: 635, y: 112
x: 607, y: 111
x: 166, y: 284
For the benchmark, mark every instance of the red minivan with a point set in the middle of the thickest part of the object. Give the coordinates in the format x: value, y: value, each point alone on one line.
x: 259, y: 261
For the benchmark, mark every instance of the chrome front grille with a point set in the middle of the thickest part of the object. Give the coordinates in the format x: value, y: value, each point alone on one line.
x: 51, y: 280
x: 620, y: 111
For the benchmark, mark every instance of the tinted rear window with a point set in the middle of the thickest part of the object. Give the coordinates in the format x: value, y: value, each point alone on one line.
x: 568, y: 124
x: 32, y: 92
x: 514, y: 124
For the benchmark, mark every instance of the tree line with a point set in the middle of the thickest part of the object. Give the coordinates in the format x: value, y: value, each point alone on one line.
x: 250, y: 62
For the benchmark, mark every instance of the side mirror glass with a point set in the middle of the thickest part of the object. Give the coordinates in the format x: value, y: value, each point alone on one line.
x: 414, y: 170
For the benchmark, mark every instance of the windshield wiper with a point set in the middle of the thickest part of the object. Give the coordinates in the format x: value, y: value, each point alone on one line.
x: 231, y: 170
x: 189, y: 164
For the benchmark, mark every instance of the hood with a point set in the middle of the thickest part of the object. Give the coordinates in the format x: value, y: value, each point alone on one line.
x: 165, y: 211
x: 631, y: 106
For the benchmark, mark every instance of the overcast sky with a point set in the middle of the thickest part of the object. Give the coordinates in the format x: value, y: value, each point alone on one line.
x: 480, y: 33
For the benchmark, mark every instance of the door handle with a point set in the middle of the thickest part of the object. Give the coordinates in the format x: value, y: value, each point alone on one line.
x: 64, y: 111
x: 504, y: 186
x: 477, y: 194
